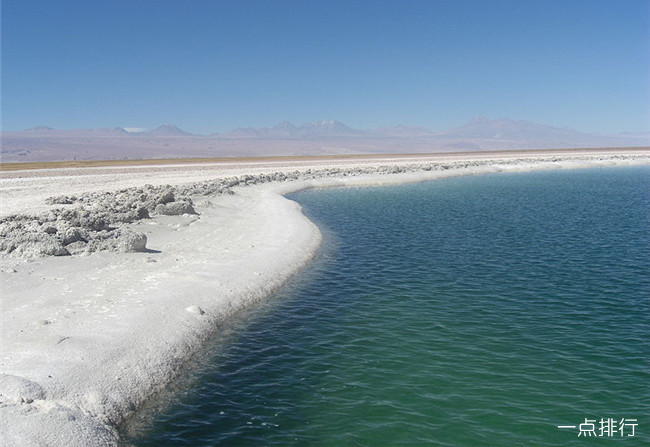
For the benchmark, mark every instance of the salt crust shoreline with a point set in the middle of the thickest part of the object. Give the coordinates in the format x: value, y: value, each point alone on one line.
x: 86, y: 340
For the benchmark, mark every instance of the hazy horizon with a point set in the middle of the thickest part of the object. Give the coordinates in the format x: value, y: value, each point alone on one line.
x: 314, y: 138
x: 298, y: 125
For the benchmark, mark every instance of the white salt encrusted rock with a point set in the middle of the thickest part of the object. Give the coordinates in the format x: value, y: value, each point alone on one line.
x: 130, y: 241
x: 175, y: 208
x: 77, y: 248
x: 15, y: 389
x: 30, y: 244
x: 71, y: 235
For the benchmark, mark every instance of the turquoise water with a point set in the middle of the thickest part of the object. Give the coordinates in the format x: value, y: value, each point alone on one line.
x: 473, y: 311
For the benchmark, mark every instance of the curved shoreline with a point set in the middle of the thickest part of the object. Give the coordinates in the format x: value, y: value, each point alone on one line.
x: 86, y: 340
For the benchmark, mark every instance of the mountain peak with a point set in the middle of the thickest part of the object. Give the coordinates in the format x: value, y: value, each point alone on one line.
x: 284, y: 124
x: 328, y: 129
x: 325, y: 124
x: 168, y: 130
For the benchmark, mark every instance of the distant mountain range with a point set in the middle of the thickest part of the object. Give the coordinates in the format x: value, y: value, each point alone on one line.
x: 479, y: 128
x: 43, y: 143
x: 48, y: 131
x: 284, y: 129
x: 507, y: 129
x: 166, y: 130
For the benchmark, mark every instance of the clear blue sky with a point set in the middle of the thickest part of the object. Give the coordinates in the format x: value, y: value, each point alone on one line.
x: 210, y: 66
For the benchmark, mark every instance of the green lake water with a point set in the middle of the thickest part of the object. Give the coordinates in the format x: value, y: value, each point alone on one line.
x: 473, y: 311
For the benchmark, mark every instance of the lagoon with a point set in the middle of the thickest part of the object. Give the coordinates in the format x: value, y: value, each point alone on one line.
x: 481, y: 310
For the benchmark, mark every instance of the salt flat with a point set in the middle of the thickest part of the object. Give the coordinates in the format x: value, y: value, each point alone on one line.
x: 86, y: 340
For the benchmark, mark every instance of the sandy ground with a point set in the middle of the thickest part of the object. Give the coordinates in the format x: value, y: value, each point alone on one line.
x: 86, y: 340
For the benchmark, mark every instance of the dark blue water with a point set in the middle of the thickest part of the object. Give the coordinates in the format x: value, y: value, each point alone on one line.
x: 473, y: 311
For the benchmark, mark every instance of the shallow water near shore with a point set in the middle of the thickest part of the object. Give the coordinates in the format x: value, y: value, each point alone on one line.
x: 484, y: 310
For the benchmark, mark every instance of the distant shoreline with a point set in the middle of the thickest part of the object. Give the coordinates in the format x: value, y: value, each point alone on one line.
x: 27, y: 166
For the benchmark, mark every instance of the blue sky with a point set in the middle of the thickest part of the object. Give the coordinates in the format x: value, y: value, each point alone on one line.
x: 211, y: 66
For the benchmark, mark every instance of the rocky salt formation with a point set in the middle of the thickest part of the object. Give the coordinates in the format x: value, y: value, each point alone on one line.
x: 99, y: 221
x: 90, y: 222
